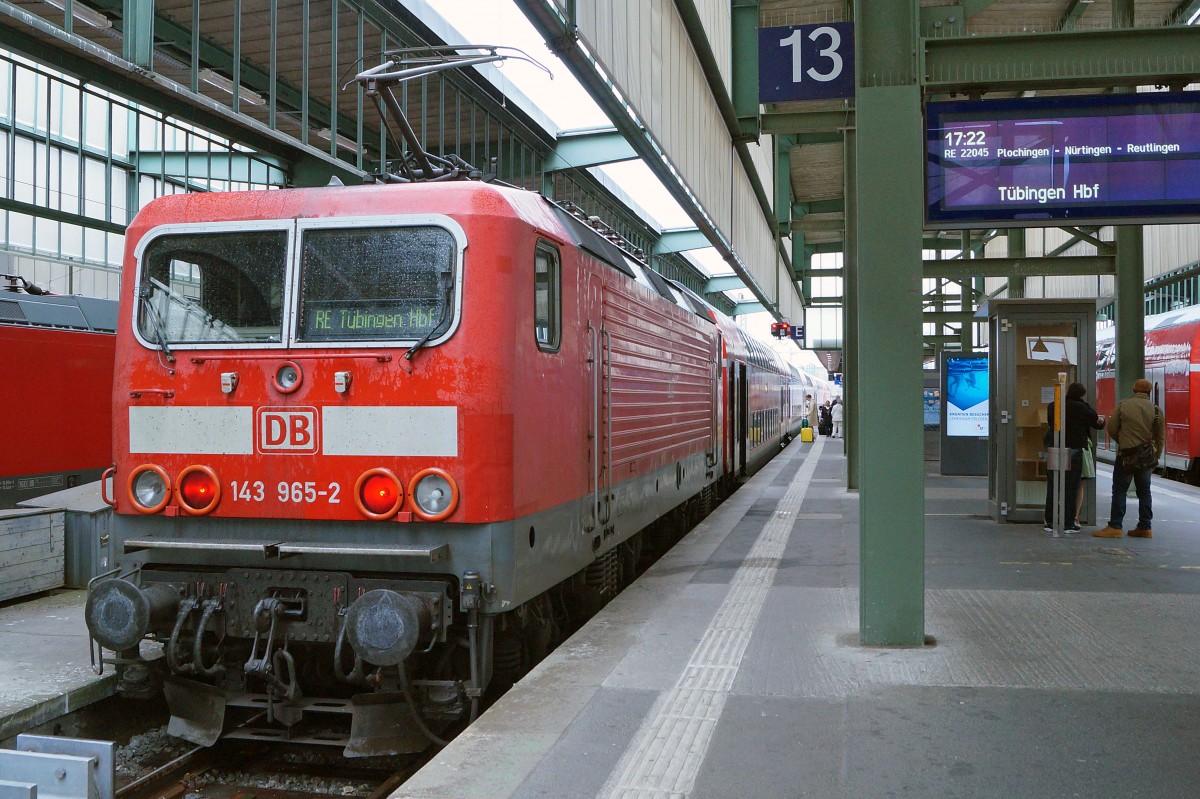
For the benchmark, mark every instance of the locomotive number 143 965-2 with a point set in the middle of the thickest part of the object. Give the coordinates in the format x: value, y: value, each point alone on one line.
x: 297, y: 492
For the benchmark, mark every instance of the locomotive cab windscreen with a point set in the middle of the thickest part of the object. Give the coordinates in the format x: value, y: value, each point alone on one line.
x: 233, y: 288
x: 213, y: 288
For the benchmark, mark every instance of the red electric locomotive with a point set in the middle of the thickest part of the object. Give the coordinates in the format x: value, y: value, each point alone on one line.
x: 57, y: 373
x: 1173, y: 367
x: 372, y: 441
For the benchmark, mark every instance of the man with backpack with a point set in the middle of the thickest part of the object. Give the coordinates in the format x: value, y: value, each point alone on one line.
x: 1137, y: 425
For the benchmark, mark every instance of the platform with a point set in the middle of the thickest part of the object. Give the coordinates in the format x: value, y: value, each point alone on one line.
x: 44, y: 669
x: 732, y: 668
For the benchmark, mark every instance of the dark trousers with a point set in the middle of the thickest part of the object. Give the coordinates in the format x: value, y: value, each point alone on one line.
x: 1121, y: 479
x: 1070, y: 491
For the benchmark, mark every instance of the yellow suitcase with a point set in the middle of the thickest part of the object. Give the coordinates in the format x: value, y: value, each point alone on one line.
x: 806, y: 435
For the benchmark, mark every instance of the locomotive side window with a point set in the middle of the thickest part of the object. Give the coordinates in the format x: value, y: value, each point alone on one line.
x: 213, y: 287
x: 547, y: 297
x: 376, y: 283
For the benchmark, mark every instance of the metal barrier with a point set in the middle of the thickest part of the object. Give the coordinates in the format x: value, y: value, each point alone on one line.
x: 46, y: 767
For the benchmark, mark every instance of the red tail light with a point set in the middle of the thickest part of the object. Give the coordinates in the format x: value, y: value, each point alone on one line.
x: 198, y: 490
x: 378, y: 494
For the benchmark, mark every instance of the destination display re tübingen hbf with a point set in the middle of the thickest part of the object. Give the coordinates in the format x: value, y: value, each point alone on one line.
x: 1064, y: 164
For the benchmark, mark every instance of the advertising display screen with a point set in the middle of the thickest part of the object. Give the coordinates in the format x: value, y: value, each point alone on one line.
x: 966, y: 396
x: 1054, y: 160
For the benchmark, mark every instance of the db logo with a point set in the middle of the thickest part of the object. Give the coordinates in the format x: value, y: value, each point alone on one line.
x: 292, y: 430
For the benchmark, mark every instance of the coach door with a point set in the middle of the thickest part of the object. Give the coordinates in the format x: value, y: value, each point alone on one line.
x: 599, y: 410
x: 714, y: 440
x: 1157, y: 375
x: 738, y: 416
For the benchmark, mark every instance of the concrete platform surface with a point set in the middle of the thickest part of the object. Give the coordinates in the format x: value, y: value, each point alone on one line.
x: 1062, y: 667
x: 44, y: 669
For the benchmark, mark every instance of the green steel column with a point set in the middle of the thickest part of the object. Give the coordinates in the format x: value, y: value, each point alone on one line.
x: 890, y: 153
x: 1131, y: 314
x: 1131, y: 273
x: 966, y: 330
x: 1016, y: 249
x: 783, y: 187
x: 137, y: 43
x: 850, y: 316
x: 744, y: 43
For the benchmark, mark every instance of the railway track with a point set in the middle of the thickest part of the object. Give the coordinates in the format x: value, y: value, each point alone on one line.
x: 232, y: 770
x: 150, y: 764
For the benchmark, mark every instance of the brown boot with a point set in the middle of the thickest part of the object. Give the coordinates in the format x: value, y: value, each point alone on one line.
x: 1141, y: 532
x: 1109, y: 532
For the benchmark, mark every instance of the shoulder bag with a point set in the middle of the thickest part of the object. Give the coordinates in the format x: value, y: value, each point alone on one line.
x: 1141, y: 456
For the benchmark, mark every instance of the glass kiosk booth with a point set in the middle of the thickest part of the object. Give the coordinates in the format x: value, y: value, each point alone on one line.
x: 1031, y: 342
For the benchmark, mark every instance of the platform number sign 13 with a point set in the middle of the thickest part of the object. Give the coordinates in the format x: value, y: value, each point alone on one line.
x: 806, y: 62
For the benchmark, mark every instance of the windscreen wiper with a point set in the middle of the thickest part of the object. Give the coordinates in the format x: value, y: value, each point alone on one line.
x: 156, y: 321
x: 445, y: 289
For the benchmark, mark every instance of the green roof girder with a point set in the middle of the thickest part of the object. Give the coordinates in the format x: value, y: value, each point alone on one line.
x: 747, y: 307
x: 1183, y: 12
x: 804, y: 123
x: 1089, y: 236
x: 149, y: 90
x: 42, y: 212
x: 581, y: 150
x: 212, y: 166
x: 681, y: 241
x: 821, y: 207
x: 1062, y: 60
x: 957, y: 269
x: 823, y: 225
x: 250, y: 76
x: 1075, y: 10
x: 723, y: 283
x: 973, y: 7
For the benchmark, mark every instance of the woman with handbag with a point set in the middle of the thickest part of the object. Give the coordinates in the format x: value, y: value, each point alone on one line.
x: 1138, y: 427
x: 1081, y: 419
x: 1086, y: 472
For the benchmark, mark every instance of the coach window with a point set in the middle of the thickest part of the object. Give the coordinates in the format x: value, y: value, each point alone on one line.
x: 547, y: 297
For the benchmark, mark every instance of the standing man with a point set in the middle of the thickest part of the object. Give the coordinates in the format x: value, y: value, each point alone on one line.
x: 838, y: 413
x: 810, y: 412
x: 1138, y: 428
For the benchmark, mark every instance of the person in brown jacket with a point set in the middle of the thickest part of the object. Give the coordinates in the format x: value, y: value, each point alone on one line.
x: 1134, y: 421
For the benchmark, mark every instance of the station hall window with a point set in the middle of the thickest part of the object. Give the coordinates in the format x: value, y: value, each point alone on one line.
x: 547, y: 297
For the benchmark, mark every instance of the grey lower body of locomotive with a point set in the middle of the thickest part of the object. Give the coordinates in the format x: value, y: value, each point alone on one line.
x: 281, y: 589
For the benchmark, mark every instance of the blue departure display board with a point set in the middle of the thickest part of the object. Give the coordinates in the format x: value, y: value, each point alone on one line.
x: 1053, y: 160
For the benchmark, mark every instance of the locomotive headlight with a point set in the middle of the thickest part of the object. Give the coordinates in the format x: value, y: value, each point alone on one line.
x: 434, y: 494
x: 198, y: 490
x: 149, y: 488
x: 287, y: 377
x: 378, y: 494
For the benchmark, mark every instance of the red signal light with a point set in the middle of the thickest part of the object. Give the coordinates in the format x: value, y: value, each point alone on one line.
x: 198, y: 490
x: 378, y: 494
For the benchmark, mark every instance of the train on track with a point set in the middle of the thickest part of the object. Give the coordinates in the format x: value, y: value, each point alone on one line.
x: 1173, y: 367
x: 378, y: 447
x: 57, y: 375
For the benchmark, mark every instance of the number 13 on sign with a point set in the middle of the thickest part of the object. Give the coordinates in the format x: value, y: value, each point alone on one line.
x: 806, y: 62
x: 795, y: 41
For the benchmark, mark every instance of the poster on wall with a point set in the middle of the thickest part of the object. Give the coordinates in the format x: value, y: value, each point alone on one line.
x: 967, y: 396
x: 933, y: 408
